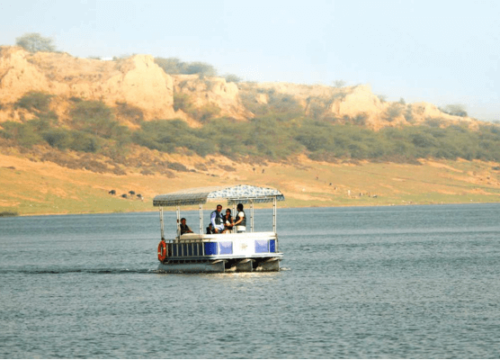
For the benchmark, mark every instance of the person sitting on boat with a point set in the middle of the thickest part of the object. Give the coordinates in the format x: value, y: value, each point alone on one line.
x: 184, y: 228
x: 228, y: 221
x: 217, y: 220
x: 241, y: 220
x: 210, y: 229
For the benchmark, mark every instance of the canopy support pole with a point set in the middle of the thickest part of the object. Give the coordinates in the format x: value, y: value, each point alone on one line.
x: 251, y: 216
x: 178, y: 221
x: 275, y: 213
x: 234, y: 214
x: 201, y: 219
x: 162, y: 226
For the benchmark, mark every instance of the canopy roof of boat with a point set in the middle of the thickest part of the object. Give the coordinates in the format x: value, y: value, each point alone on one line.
x: 233, y: 194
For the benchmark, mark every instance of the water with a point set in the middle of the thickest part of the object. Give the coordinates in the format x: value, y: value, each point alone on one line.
x: 404, y: 282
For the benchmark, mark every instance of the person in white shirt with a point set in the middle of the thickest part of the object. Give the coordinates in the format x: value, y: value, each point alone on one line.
x: 241, y: 220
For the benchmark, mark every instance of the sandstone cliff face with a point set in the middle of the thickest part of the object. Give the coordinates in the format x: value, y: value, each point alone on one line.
x: 138, y: 81
x: 212, y: 91
x: 351, y: 102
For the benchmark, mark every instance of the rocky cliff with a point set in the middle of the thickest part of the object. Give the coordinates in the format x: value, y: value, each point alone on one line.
x: 139, y: 82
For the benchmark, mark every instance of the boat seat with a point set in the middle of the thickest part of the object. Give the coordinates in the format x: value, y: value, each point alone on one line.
x: 228, y: 237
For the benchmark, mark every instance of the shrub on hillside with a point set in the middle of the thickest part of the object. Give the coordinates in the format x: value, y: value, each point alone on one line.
x: 206, y: 112
x: 182, y: 102
x: 393, y: 111
x: 408, y: 115
x: 34, y: 42
x: 177, y: 167
x: 85, y: 142
x: 175, y: 66
x: 63, y: 139
x: 34, y: 100
x: 25, y: 135
x: 169, y: 65
x: 232, y: 78
x: 167, y: 135
x: 129, y: 112
x: 360, y: 119
x: 198, y: 67
x: 249, y: 100
x: 455, y: 110
x: 95, y: 117
x: 58, y: 138
x: 316, y: 107
x: 283, y: 103
x: 434, y: 122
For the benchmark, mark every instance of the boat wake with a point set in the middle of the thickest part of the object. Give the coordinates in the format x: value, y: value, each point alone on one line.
x: 72, y: 271
x: 92, y: 271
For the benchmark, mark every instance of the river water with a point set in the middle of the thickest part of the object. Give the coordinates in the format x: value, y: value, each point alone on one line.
x: 377, y: 282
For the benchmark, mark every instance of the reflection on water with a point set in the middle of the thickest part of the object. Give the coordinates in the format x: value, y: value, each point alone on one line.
x: 355, y: 282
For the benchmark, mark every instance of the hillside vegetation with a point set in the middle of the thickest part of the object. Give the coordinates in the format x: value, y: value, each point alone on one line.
x: 139, y: 119
x: 278, y: 133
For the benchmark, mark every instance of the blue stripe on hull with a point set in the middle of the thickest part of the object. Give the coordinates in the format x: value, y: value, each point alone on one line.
x: 272, y: 246
x: 210, y: 248
x: 225, y: 248
x: 261, y: 246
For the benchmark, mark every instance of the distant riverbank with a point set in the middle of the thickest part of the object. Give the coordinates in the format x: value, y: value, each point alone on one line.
x: 43, y: 188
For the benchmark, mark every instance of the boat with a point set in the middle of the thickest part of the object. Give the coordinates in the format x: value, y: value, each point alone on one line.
x: 223, y: 252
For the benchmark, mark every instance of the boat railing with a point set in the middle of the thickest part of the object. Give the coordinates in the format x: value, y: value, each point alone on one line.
x: 210, y: 245
x: 224, y: 237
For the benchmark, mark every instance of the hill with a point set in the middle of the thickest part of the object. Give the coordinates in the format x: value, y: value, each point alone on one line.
x: 73, y: 129
x: 139, y: 82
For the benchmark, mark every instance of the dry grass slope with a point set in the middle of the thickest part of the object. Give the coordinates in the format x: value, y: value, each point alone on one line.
x: 29, y: 187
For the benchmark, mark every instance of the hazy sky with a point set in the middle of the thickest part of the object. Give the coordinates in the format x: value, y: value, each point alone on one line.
x: 444, y: 52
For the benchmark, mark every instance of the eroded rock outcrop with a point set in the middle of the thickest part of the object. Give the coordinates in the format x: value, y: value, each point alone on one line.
x: 139, y: 82
x: 355, y: 103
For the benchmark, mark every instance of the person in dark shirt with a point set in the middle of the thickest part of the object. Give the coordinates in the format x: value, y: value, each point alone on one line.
x: 228, y: 221
x: 210, y: 229
x: 217, y: 220
x: 184, y: 228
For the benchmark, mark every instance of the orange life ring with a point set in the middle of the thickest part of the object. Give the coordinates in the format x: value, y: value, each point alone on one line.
x: 162, y: 251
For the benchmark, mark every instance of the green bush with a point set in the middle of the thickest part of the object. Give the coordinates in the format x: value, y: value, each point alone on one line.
x: 169, y: 65
x: 177, y: 167
x: 183, y: 102
x: 95, y: 117
x: 58, y: 138
x: 198, y: 67
x: 232, y: 78
x: 394, y: 111
x: 8, y: 213
x: 130, y: 113
x: 360, y: 119
x: 206, y: 112
x: 248, y: 98
x: 175, y: 66
x: 34, y: 100
x: 167, y: 135
x: 25, y: 135
x: 85, y: 142
x: 409, y: 115
x: 455, y: 110
x: 35, y: 42
x: 284, y: 103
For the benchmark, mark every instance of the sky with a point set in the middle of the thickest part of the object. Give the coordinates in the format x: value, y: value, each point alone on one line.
x: 443, y: 52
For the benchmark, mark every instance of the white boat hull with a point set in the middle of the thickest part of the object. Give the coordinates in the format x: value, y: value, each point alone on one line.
x: 222, y: 266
